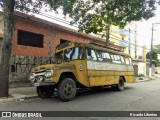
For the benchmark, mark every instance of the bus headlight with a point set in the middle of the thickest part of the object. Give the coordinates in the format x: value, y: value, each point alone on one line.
x: 49, y: 73
x: 31, y: 77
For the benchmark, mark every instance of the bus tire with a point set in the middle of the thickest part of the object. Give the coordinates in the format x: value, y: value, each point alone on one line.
x: 45, y: 91
x: 67, y: 89
x: 120, y: 85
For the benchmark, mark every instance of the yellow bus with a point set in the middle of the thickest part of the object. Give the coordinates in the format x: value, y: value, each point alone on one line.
x: 79, y: 65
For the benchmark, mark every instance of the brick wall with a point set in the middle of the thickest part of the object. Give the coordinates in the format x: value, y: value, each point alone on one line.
x: 31, y: 27
x: 40, y: 28
x: 24, y: 58
x: 57, y: 35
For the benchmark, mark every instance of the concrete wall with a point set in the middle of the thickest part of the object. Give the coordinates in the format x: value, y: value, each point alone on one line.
x: 158, y: 56
x: 141, y: 67
x: 157, y: 69
x: 147, y: 68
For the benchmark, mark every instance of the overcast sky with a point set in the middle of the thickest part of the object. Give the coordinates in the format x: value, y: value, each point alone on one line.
x: 144, y: 30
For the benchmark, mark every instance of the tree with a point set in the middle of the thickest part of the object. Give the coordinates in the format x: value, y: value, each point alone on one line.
x: 94, y: 16
x: 156, y: 48
x: 25, y: 6
x: 154, y: 58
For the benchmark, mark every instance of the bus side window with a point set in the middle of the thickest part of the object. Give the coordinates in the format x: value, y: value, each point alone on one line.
x: 99, y: 55
x: 106, y: 57
x: 116, y: 59
x: 127, y: 61
x: 130, y: 60
x: 122, y: 59
x: 91, y: 55
x: 77, y: 54
x: 81, y: 53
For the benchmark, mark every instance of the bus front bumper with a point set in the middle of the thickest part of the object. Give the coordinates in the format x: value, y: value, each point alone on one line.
x: 42, y: 84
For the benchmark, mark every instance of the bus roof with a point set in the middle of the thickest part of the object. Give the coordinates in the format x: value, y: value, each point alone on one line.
x: 96, y: 47
x: 88, y: 45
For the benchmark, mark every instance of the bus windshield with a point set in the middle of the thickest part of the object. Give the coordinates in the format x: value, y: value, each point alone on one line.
x: 58, y: 58
x: 75, y: 53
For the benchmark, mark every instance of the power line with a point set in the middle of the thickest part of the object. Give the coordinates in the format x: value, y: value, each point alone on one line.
x: 128, y: 42
x: 119, y: 39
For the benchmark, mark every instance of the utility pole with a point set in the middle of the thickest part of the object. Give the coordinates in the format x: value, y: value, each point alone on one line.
x: 136, y: 41
x: 151, y: 52
x: 150, y: 67
x: 129, y: 38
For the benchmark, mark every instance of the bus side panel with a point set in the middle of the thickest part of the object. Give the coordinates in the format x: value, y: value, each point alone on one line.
x: 81, y: 71
x: 100, y: 73
x: 130, y: 76
x: 100, y: 78
x: 122, y: 73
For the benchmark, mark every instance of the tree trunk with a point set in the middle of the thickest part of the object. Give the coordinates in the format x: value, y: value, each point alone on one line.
x: 6, y: 46
x: 107, y: 34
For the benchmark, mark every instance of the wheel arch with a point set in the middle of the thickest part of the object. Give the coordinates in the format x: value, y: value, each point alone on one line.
x: 123, y: 78
x: 67, y: 75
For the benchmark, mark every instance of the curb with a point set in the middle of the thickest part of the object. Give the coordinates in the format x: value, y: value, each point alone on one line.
x: 11, y: 98
x: 155, y: 77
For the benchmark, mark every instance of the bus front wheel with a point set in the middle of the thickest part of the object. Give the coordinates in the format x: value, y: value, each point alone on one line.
x: 67, y: 89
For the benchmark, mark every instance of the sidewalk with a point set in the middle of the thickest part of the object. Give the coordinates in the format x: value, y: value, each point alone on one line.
x: 25, y: 93
x: 143, y: 79
x: 20, y: 94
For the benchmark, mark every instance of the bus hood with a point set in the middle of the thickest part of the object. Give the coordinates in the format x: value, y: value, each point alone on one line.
x: 43, y: 67
x: 53, y: 67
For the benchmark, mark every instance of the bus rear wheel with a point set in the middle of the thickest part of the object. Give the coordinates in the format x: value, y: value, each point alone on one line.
x: 45, y: 91
x: 120, y: 85
x: 67, y: 89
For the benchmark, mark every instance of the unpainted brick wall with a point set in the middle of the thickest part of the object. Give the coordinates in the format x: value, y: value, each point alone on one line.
x: 22, y: 56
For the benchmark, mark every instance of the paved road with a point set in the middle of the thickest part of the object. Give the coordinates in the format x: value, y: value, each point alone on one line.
x: 142, y: 96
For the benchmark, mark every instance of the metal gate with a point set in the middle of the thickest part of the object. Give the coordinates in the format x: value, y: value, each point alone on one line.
x: 135, y: 70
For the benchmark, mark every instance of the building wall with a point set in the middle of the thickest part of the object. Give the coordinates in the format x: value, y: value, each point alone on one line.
x: 141, y: 67
x: 57, y: 35
x: 147, y: 68
x: 158, y: 56
x: 51, y: 36
x: 24, y: 58
x: 22, y: 24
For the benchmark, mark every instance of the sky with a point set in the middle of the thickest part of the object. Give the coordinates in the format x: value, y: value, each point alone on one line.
x: 144, y: 30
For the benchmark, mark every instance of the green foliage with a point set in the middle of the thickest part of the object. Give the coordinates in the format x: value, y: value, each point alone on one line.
x: 155, y: 60
x: 36, y: 5
x: 140, y: 78
x: 140, y: 75
x: 94, y: 15
x: 156, y: 48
